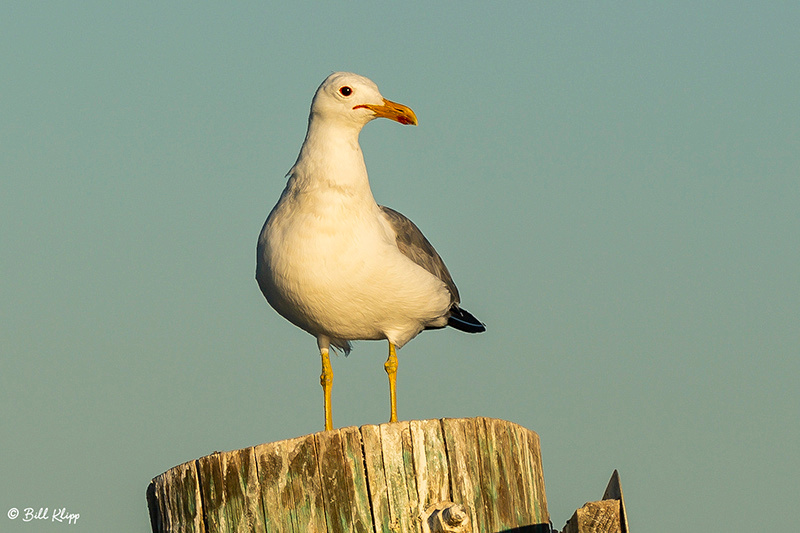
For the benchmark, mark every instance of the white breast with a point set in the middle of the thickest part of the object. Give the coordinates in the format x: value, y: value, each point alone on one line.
x: 327, y: 263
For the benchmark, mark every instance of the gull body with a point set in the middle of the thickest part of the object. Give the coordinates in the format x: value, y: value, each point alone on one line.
x: 335, y: 263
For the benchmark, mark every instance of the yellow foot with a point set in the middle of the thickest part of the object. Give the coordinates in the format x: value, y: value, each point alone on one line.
x: 326, y: 380
x: 391, y: 369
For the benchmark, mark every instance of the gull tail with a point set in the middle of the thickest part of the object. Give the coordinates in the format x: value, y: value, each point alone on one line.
x: 462, y: 320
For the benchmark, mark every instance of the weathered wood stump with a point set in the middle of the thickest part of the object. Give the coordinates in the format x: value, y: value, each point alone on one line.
x: 475, y: 474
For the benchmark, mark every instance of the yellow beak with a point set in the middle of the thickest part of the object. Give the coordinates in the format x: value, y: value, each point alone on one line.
x: 393, y: 111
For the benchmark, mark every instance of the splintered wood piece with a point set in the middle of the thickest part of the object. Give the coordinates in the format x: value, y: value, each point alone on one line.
x: 605, y: 516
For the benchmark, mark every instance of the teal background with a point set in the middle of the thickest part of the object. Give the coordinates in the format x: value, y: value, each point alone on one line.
x: 614, y: 186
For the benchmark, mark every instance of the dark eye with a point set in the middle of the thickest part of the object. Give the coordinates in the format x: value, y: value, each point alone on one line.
x: 346, y: 91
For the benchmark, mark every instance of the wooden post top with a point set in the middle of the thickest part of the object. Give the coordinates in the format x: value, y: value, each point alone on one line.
x: 455, y: 475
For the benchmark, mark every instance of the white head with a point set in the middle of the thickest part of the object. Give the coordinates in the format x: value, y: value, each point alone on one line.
x: 354, y: 100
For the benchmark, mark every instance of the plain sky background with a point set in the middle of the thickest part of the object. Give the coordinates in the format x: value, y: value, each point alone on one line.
x: 615, y: 188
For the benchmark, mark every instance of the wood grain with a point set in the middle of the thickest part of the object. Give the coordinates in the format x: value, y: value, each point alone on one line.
x: 383, y: 478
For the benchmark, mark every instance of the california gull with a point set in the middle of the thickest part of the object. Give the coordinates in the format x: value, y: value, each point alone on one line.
x: 334, y: 262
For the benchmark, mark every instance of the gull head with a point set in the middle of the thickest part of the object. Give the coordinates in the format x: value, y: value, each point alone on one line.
x: 353, y: 100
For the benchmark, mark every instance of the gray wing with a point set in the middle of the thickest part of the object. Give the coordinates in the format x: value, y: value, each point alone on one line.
x: 413, y: 244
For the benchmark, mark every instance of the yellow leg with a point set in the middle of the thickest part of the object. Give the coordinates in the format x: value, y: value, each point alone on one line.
x: 326, y: 380
x: 391, y: 368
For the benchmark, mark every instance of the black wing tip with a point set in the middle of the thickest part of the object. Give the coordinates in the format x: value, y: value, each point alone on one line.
x: 463, y: 320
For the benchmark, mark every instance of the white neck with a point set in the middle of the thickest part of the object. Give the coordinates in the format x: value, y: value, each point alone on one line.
x: 331, y: 158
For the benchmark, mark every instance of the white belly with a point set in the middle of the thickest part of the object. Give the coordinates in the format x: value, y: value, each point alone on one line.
x: 335, y: 274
